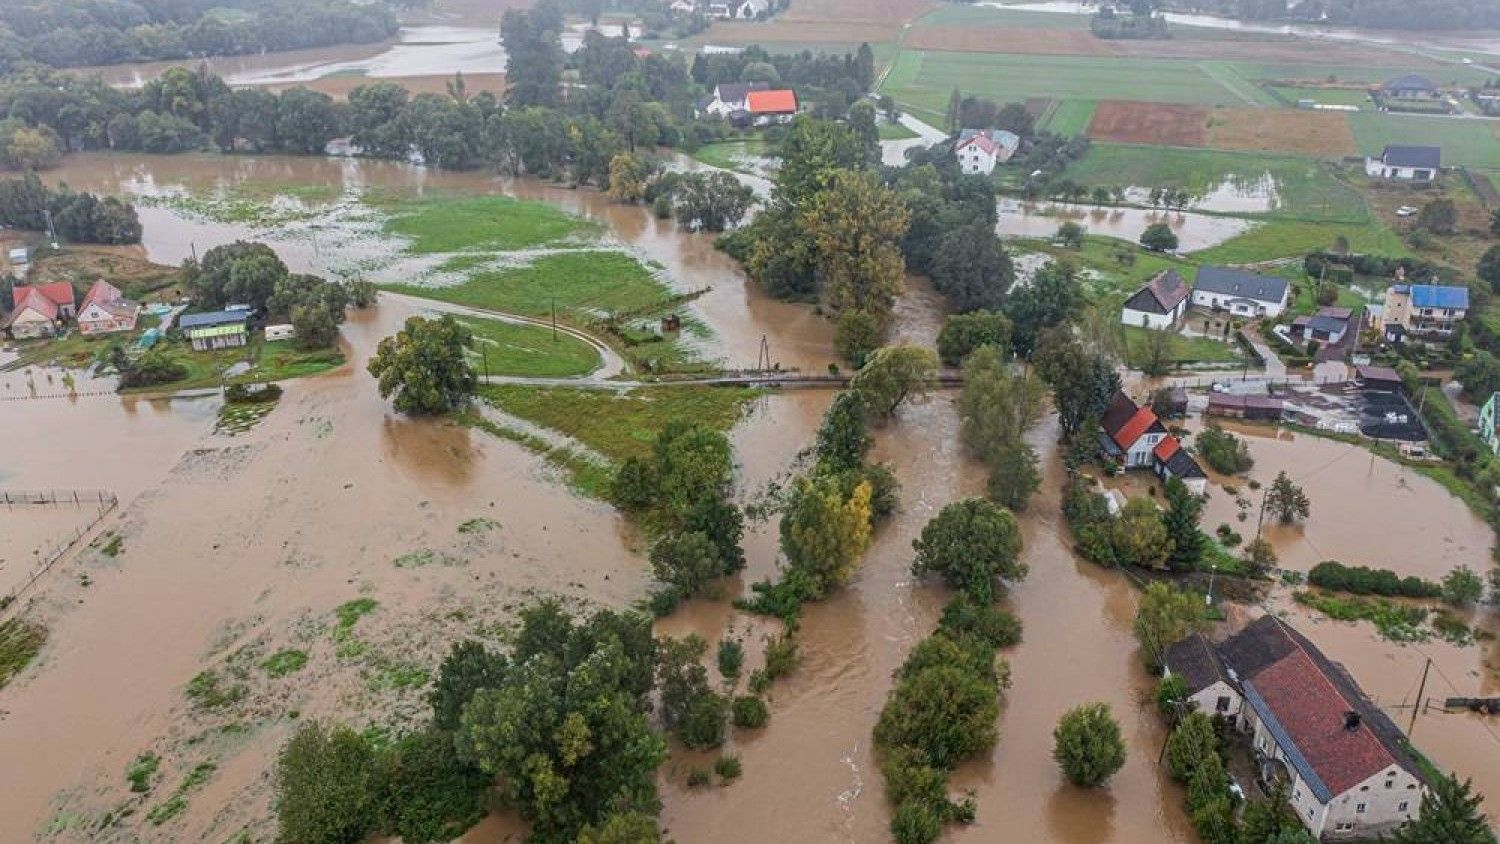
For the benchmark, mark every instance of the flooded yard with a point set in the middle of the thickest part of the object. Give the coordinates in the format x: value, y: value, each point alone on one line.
x: 1041, y: 219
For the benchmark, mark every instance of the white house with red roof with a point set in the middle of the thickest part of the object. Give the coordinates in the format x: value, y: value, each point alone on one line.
x: 1170, y: 460
x: 106, y: 310
x: 980, y: 150
x: 1347, y: 767
x: 40, y: 309
x: 778, y: 105
x: 1134, y: 438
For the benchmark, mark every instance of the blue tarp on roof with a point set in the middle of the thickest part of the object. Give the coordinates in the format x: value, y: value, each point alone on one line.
x: 1284, y: 741
x: 1436, y: 296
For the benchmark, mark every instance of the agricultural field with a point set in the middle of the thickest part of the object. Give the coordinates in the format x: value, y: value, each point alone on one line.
x: 1475, y: 143
x: 479, y: 223
x: 1358, y: 97
x: 505, y: 348
x: 1166, y: 124
x: 1289, y: 130
x: 1066, y: 117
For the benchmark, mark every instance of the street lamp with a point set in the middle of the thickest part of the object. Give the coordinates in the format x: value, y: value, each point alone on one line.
x: 1208, y: 600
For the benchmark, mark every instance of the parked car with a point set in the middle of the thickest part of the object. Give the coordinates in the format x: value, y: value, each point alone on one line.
x: 1406, y: 211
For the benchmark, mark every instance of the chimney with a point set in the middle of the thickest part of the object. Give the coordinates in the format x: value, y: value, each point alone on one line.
x: 1351, y: 720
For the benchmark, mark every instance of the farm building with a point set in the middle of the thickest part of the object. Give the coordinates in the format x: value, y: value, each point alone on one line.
x: 979, y: 151
x: 1262, y: 408
x: 730, y: 97
x: 106, y: 310
x: 776, y: 106
x: 1133, y: 437
x: 1159, y: 303
x: 1415, y: 164
x: 1240, y: 293
x: 1377, y: 378
x: 215, y: 330
x: 1346, y: 767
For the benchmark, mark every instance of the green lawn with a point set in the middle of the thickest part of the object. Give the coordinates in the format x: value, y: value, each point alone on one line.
x: 896, y: 132
x: 1360, y: 74
x: 1068, y: 117
x: 1306, y: 301
x: 1472, y: 142
x: 1306, y: 188
x: 1325, y: 96
x: 1112, y: 279
x: 584, y: 285
x: 1184, y: 349
x: 480, y: 223
x: 504, y: 348
x: 731, y: 155
x: 1293, y: 238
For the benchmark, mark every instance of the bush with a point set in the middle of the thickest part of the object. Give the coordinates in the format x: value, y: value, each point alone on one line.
x: 728, y: 768
x: 994, y: 626
x: 781, y: 655
x: 1226, y: 453
x: 1087, y: 745
x: 731, y: 658
x: 1362, y: 580
x: 944, y: 713
x: 324, y: 786
x: 252, y: 394
x: 750, y: 712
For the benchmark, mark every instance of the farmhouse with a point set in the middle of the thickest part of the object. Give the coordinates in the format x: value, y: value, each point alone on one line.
x: 1423, y: 310
x: 1409, y: 86
x: 1417, y: 164
x: 1240, y: 293
x: 979, y: 151
x: 39, y: 309
x: 1159, y: 303
x: 106, y: 310
x: 215, y: 330
x: 1133, y: 437
x: 777, y: 106
x: 1347, y: 770
x: 729, y: 98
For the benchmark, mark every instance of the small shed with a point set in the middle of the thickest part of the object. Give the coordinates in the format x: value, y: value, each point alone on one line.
x: 280, y: 332
x: 215, y: 330
x: 1263, y: 408
x: 1377, y: 378
x: 19, y: 256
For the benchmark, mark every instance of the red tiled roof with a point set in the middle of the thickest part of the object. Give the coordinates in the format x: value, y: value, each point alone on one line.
x: 29, y: 297
x: 1312, y: 711
x: 783, y: 101
x: 101, y: 292
x: 1166, y: 448
x: 981, y: 140
x: 57, y: 292
x: 1132, y: 430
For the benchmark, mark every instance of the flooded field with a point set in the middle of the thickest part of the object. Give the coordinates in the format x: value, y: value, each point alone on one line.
x: 1041, y: 219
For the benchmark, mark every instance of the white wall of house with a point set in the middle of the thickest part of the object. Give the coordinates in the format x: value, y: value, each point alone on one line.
x: 1140, y: 451
x: 1387, y: 799
x: 1235, y: 304
x: 29, y: 323
x: 1146, y: 319
x: 1196, y: 486
x: 1379, y: 169
x: 974, y: 161
x: 1207, y: 701
x: 96, y: 320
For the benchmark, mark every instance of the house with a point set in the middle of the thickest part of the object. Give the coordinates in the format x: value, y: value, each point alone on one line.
x: 280, y: 332
x: 40, y: 309
x: 1159, y: 303
x: 215, y: 329
x: 979, y: 151
x: 751, y: 9
x: 106, y: 310
x: 1240, y: 293
x: 1171, y: 460
x: 18, y: 256
x: 1377, y: 378
x: 1423, y: 310
x: 722, y: 11
x: 1258, y: 408
x: 1409, y: 86
x: 1328, y: 326
x: 1487, y: 421
x: 729, y: 98
x: 1129, y: 433
x: 683, y: 7
x: 774, y: 106
x: 1346, y: 767
x: 1417, y: 164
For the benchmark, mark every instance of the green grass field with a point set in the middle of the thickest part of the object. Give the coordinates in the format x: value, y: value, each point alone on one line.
x: 895, y: 132
x: 1306, y: 188
x: 1068, y: 117
x: 1294, y: 238
x: 1360, y: 74
x: 584, y: 286
x: 1475, y: 143
x: 731, y: 155
x: 1325, y: 96
x: 504, y: 348
x: 480, y: 223
x: 1184, y: 349
x: 1112, y: 279
x: 969, y: 16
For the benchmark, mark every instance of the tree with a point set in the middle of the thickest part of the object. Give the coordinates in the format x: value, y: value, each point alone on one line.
x: 1070, y: 234
x: 687, y: 562
x: 1439, y: 216
x: 533, y: 42
x: 690, y: 706
x: 824, y: 532
x: 1051, y: 299
x: 971, y: 267
x: 943, y: 713
x: 1166, y: 615
x: 424, y: 792
x: 1260, y: 555
x: 1488, y: 268
x: 628, y: 176
x: 1450, y: 814
x: 1139, y: 535
x: 1013, y: 476
x: 1181, y: 521
x: 844, y: 438
x: 306, y: 121
x: 1222, y: 451
x: 622, y: 828
x: 855, y: 225
x: 1480, y: 375
x: 971, y: 543
x: 856, y: 334
x: 1193, y: 740
x: 963, y: 333
x: 1157, y: 350
x: 1286, y: 501
x: 1462, y: 587
x: 468, y: 668
x: 324, y: 790
x: 1159, y: 237
x: 1087, y: 745
x: 1082, y: 381
x: 425, y: 367
x: 1171, y: 696
x: 240, y: 272
x: 894, y: 375
x: 711, y: 201
x: 997, y: 406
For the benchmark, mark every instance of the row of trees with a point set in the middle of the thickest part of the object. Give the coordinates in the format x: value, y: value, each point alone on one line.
x: 704, y: 201
x: 77, y: 216
x: 114, y: 31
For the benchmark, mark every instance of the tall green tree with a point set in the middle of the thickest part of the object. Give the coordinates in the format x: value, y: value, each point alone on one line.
x: 972, y: 544
x: 855, y: 225
x: 1166, y: 615
x: 1286, y: 501
x: 844, y: 437
x: 425, y: 367
x: 824, y: 532
x: 963, y: 333
x: 1087, y: 745
x: 892, y: 376
x: 1184, y: 509
x: 1450, y: 814
x: 1051, y: 298
x: 1082, y: 381
x: 468, y: 667
x: 324, y: 787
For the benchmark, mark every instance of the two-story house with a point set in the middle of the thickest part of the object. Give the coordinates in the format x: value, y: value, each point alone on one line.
x: 1423, y: 310
x: 1346, y: 766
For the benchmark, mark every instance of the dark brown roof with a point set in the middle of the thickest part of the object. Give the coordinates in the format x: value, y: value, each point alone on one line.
x: 1193, y: 659
x: 1377, y: 373
x: 1225, y: 400
x: 1120, y: 410
x: 1161, y: 295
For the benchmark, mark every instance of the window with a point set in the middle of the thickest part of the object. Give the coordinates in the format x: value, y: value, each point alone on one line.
x: 1297, y: 795
x: 1223, y: 704
x: 1403, y: 806
x: 1359, y: 808
x: 1343, y: 826
x: 1364, y: 788
x: 1390, y: 783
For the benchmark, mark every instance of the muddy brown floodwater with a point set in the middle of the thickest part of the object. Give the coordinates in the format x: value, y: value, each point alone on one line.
x: 250, y: 542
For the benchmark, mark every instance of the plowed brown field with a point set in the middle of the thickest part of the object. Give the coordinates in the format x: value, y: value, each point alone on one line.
x: 1162, y: 124
x: 1293, y: 130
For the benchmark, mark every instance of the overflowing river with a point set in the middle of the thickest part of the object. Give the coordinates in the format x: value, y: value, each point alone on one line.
x: 234, y: 542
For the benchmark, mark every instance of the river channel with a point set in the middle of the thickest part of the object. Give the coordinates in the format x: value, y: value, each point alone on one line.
x: 251, y: 541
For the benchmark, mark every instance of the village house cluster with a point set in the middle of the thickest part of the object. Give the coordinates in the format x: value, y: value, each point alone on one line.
x: 44, y: 310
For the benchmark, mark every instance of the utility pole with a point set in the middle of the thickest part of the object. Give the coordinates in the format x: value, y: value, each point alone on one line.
x: 554, y: 319
x: 1260, y: 522
x: 1208, y: 599
x: 1417, y: 707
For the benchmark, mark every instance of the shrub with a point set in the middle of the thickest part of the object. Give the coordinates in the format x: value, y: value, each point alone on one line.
x: 996, y: 627
x: 731, y: 658
x: 1226, y: 453
x: 750, y: 712
x: 1362, y: 580
x: 1087, y: 745
x: 781, y: 655
x: 698, y: 778
x: 728, y: 768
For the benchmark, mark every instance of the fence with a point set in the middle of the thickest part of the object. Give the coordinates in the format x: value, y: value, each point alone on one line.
x: 1482, y: 186
x: 105, y: 501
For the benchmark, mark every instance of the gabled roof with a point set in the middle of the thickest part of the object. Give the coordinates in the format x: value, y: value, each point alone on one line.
x: 1143, y: 420
x: 1193, y: 659
x: 1327, y: 324
x: 1120, y: 409
x: 1428, y: 158
x: 989, y: 140
x: 57, y: 292
x: 1410, y: 82
x: 118, y: 308
x: 40, y: 304
x: 977, y: 139
x: 1240, y: 284
x: 781, y: 101
x: 736, y: 92
x: 1182, y: 465
x: 211, y: 319
x: 1166, y: 448
x: 1439, y: 296
x: 102, y: 291
x: 1336, y: 313
x: 1161, y: 295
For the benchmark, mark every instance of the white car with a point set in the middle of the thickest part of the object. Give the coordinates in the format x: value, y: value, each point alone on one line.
x: 1405, y: 211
